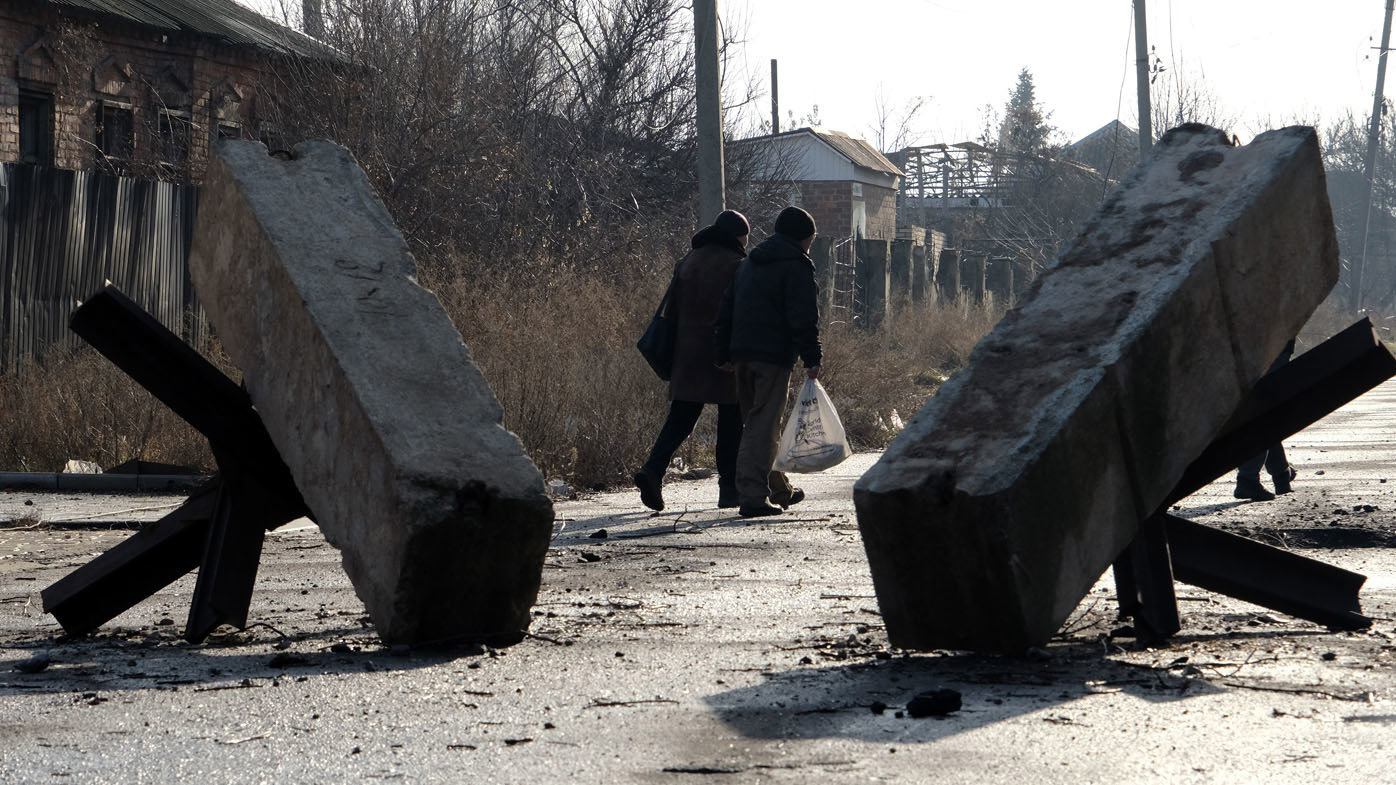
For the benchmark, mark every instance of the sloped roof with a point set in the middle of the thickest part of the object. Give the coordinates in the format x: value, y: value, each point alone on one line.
x: 1112, y: 146
x: 221, y: 19
x: 851, y: 147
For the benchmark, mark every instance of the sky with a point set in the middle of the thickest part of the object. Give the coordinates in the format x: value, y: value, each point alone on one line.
x: 1267, y: 64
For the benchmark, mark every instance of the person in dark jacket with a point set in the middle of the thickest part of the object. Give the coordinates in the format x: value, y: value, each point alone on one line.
x: 769, y: 317
x: 703, y: 275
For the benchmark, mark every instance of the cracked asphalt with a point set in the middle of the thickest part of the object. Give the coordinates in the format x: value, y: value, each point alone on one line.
x: 692, y: 646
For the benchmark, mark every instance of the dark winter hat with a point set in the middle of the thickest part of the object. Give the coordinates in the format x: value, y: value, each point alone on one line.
x: 794, y: 223
x: 733, y: 223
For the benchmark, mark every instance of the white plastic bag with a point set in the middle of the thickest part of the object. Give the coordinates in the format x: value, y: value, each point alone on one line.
x: 813, y: 439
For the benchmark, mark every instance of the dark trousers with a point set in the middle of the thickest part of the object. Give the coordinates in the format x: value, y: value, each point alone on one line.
x: 683, y: 415
x: 1273, y: 460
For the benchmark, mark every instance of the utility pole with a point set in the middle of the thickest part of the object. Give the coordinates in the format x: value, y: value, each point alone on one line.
x: 775, y: 99
x: 1370, y: 167
x: 711, y: 198
x: 1141, y: 68
x: 313, y: 18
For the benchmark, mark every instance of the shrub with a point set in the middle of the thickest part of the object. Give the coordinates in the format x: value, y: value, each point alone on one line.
x: 76, y: 404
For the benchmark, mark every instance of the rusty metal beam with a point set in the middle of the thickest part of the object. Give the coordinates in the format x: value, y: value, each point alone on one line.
x: 137, y: 567
x: 1144, y: 582
x: 1266, y: 576
x: 221, y: 528
x: 183, y: 380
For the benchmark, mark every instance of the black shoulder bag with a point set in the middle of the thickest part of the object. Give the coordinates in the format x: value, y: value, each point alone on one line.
x: 657, y: 344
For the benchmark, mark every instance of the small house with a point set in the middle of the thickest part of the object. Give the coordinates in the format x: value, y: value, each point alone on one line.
x: 844, y: 182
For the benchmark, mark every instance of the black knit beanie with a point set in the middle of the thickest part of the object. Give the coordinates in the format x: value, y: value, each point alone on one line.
x: 733, y: 223
x: 794, y: 223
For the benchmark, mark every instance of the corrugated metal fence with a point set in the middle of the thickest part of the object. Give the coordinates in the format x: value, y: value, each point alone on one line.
x: 63, y: 234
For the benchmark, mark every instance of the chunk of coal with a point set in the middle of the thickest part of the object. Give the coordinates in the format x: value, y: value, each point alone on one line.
x: 936, y: 703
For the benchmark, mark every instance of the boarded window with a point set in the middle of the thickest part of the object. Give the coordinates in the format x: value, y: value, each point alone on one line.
x: 116, y: 138
x: 35, y: 127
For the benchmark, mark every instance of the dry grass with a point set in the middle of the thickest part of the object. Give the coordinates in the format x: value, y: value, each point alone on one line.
x: 876, y: 378
x: 560, y: 356
x: 558, y: 350
x: 77, y: 405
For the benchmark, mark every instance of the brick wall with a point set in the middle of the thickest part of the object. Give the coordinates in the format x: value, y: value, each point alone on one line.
x: 881, y: 207
x: 82, y: 65
x: 831, y: 204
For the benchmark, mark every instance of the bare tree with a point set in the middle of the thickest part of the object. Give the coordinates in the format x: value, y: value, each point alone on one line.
x: 501, y: 132
x: 1179, y: 96
x: 895, y: 128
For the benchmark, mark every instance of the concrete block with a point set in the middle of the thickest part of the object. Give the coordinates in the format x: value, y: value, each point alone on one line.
x: 947, y: 276
x: 972, y: 271
x: 990, y: 516
x: 368, y: 392
x: 919, y: 274
x: 998, y: 279
x: 900, y: 270
x: 874, y: 281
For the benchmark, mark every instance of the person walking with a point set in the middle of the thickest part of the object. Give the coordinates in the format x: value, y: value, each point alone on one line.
x: 1274, y: 460
x: 701, y: 278
x: 769, y: 317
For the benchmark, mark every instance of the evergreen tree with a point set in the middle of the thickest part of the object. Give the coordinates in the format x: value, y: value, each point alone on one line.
x: 1024, y: 129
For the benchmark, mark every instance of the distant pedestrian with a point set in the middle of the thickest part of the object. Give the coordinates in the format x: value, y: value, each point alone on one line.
x: 701, y: 278
x: 1274, y: 460
x: 769, y: 317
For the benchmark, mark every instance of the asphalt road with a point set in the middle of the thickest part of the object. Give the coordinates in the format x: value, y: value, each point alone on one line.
x: 695, y: 647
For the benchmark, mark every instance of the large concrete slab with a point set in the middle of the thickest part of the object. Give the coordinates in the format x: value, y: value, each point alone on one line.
x: 1019, y: 482
x: 370, y: 396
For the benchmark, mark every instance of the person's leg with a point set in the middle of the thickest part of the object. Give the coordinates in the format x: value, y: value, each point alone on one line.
x: 762, y: 389
x: 729, y: 438
x: 683, y: 415
x: 1281, y: 473
x: 1248, y: 480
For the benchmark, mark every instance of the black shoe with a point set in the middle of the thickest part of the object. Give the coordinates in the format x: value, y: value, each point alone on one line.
x: 1282, y: 482
x: 758, y: 510
x: 650, y: 494
x: 727, y: 498
x: 796, y: 496
x: 1250, y: 488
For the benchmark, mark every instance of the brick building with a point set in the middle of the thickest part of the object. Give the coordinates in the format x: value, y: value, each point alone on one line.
x: 135, y: 87
x: 844, y: 182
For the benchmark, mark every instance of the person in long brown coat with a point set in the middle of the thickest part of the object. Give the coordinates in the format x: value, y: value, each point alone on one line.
x: 703, y: 275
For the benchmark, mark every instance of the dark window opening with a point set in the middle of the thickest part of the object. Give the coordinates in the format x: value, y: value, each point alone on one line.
x: 174, y: 138
x: 116, y: 138
x: 270, y: 135
x: 35, y: 127
x: 229, y: 131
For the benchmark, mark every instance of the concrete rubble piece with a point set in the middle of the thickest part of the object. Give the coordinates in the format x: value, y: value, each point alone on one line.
x: 390, y: 431
x: 992, y: 514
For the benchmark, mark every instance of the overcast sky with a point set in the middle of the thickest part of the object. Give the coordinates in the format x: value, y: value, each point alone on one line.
x: 1267, y: 63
